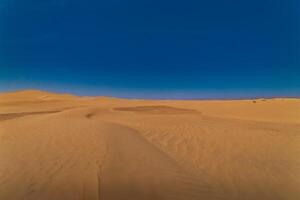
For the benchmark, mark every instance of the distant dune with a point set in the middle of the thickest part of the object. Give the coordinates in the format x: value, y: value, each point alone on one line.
x: 60, y: 146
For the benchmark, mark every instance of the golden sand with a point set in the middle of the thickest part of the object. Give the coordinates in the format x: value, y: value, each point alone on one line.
x: 59, y: 146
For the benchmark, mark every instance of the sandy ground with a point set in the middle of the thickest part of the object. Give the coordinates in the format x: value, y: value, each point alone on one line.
x: 55, y: 146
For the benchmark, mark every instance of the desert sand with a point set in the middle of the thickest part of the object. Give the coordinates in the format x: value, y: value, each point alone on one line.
x: 60, y: 146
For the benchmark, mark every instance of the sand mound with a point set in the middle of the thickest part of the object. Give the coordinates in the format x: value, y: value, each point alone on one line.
x: 33, y: 95
x: 87, y: 161
x: 102, y: 148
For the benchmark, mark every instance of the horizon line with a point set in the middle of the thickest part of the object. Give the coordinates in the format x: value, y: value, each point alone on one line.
x: 141, y: 98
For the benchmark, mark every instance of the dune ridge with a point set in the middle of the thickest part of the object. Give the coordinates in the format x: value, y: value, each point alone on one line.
x: 60, y: 146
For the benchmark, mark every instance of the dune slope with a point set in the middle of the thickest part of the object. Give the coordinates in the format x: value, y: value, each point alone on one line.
x: 56, y: 146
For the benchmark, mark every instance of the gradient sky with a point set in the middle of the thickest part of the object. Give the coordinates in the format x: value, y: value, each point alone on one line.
x: 152, y: 48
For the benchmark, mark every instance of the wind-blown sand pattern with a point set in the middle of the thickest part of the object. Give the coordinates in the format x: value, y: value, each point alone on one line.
x: 55, y: 146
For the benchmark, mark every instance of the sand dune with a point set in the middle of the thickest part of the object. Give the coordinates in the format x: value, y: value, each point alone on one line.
x: 59, y: 146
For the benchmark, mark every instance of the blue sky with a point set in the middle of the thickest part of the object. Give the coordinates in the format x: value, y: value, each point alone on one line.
x: 152, y: 49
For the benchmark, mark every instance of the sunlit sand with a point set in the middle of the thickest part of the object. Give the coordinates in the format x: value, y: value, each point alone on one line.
x: 60, y: 146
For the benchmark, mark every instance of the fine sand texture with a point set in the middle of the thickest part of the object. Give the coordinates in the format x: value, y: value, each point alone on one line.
x: 64, y: 147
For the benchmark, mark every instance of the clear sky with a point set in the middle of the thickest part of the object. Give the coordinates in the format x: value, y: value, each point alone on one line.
x: 152, y: 48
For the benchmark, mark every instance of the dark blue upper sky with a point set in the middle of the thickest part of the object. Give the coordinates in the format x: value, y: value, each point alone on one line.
x: 152, y: 48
